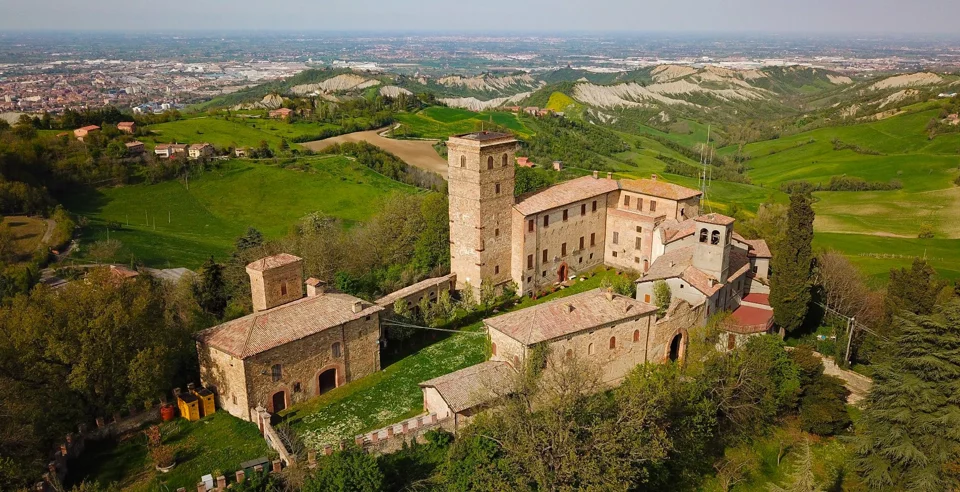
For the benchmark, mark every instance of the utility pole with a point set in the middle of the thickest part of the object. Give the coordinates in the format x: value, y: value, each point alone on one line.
x: 850, y: 324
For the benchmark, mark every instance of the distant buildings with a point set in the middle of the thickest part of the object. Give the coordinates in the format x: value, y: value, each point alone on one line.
x: 281, y: 114
x: 127, y: 127
x: 168, y: 150
x: 82, y: 132
x: 197, y: 151
x: 135, y: 147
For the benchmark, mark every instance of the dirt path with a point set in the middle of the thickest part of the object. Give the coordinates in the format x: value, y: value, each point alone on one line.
x: 417, y: 153
x: 51, y: 225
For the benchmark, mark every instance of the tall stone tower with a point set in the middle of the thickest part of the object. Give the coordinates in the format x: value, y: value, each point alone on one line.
x: 712, y: 253
x: 275, y: 280
x: 480, y: 184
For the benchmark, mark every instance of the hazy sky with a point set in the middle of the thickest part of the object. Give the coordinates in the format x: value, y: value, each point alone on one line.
x: 873, y: 16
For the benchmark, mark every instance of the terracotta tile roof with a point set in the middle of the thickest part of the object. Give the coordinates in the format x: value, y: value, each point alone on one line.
x: 758, y: 248
x: 264, y: 330
x: 125, y: 124
x: 568, y: 315
x: 679, y: 264
x: 715, y: 219
x: 564, y: 193
x: 678, y: 230
x: 749, y: 319
x: 390, y: 298
x: 474, y: 385
x: 89, y: 128
x: 162, y: 146
x: 274, y: 261
x: 658, y: 188
x: 756, y: 298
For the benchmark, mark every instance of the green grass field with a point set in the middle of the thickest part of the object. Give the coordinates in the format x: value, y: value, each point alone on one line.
x: 441, y: 122
x: 219, y: 442
x: 563, y: 103
x: 167, y: 225
x: 393, y: 394
x: 237, y: 132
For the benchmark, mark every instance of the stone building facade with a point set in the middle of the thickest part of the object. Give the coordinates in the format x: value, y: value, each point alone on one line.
x: 292, y: 347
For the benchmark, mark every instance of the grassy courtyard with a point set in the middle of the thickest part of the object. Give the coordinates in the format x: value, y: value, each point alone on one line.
x: 219, y: 442
x: 392, y: 394
x: 165, y: 224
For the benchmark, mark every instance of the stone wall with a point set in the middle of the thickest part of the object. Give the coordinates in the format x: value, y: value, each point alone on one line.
x: 225, y: 376
x: 430, y: 289
x: 276, y: 286
x: 582, y: 221
x: 680, y: 318
x: 628, y: 227
x: 273, y: 439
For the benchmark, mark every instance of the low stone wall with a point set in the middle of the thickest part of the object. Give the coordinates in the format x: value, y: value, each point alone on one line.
x: 273, y: 439
x: 390, y: 439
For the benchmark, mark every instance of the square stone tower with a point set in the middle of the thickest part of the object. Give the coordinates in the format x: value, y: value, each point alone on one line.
x: 480, y: 183
x: 712, y: 253
x: 275, y: 280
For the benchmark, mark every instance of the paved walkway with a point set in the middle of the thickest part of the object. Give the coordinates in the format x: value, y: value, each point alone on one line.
x: 858, y: 384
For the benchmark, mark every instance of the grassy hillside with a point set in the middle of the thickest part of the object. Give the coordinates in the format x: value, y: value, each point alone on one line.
x: 441, y: 122
x: 235, y: 132
x: 167, y: 225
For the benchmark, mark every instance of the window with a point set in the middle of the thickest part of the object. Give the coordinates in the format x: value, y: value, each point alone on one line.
x: 731, y: 341
x: 543, y: 273
x: 463, y: 161
x: 335, y: 349
x: 593, y: 239
x: 544, y: 256
x: 529, y: 262
x: 529, y: 279
x: 530, y: 225
x: 583, y: 209
x: 703, y: 235
x: 496, y: 233
x: 283, y: 288
x: 646, y: 298
x: 639, y: 230
x: 563, y: 249
x: 590, y: 349
x: 564, y: 215
x: 640, y: 204
x: 653, y: 205
x: 581, y: 244
x: 715, y: 237
x: 546, y: 220
x: 626, y: 200
x: 493, y: 349
x: 637, y: 243
x: 636, y: 336
x: 503, y: 160
x: 616, y: 237
x: 613, y: 343
x: 636, y: 259
x: 496, y: 188
x: 580, y: 260
x: 646, y: 265
x: 594, y: 206
x: 681, y: 212
x: 496, y: 270
x: 490, y: 162
x: 614, y: 254
x: 276, y: 372
x: 296, y: 387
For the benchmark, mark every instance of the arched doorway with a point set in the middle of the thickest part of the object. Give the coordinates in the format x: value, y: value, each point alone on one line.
x: 279, y: 401
x: 563, y: 272
x: 675, y: 347
x: 326, y: 381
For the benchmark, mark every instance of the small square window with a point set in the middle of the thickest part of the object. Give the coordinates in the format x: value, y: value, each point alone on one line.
x: 296, y: 387
x: 639, y: 229
x: 529, y: 279
x: 636, y: 259
x: 581, y: 260
x: 614, y: 254
x: 591, y: 256
x: 543, y: 273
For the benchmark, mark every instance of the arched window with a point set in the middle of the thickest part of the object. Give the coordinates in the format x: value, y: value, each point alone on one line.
x: 335, y: 349
x: 636, y: 336
x: 715, y: 237
x: 276, y: 372
x: 463, y: 161
x: 504, y: 160
x: 490, y: 162
x: 703, y: 235
x: 613, y: 343
x: 569, y: 353
x: 590, y: 349
x: 493, y: 348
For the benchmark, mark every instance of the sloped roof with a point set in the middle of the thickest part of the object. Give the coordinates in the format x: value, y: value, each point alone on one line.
x: 474, y: 385
x: 758, y: 248
x: 715, y: 218
x: 679, y: 264
x: 675, y: 231
x: 274, y: 261
x: 568, y: 315
x: 564, y: 193
x: 264, y: 330
x: 659, y: 188
x: 390, y: 298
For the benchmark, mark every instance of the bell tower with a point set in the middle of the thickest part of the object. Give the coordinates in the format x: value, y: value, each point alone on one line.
x: 480, y: 175
x: 712, y: 254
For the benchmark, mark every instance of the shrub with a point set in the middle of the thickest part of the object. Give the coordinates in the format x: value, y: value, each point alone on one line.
x: 823, y: 409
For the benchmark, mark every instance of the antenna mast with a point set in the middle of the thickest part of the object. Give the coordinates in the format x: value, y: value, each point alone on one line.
x: 706, y: 161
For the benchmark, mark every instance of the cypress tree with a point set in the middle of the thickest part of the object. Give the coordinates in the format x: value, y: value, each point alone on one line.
x: 790, y: 280
x: 211, y: 292
x: 910, y: 433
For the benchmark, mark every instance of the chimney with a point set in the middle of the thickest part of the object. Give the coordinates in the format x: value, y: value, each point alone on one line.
x: 357, y: 306
x: 713, y: 282
x: 609, y: 175
x: 653, y: 177
x: 596, y: 174
x: 609, y: 294
x: 315, y: 287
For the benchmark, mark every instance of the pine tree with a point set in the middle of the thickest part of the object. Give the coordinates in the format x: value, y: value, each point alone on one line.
x: 790, y: 280
x: 910, y: 433
x: 802, y: 479
x: 211, y: 292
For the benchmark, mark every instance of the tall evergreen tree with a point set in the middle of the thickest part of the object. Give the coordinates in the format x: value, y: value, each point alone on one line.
x: 913, y: 289
x: 790, y: 280
x: 211, y: 292
x: 910, y: 433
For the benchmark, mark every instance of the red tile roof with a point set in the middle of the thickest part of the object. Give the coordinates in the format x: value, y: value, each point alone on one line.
x: 748, y: 319
x: 475, y: 385
x: 679, y: 264
x: 658, y: 188
x: 565, y: 193
x: 756, y: 298
x: 261, y: 331
x: 274, y: 261
x: 715, y: 219
x: 568, y: 315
